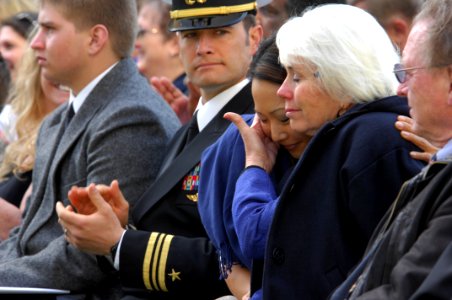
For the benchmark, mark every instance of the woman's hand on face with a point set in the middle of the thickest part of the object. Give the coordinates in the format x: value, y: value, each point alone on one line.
x: 406, y: 127
x: 260, y: 149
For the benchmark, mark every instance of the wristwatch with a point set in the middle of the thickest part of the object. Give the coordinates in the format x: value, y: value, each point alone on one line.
x: 114, y: 248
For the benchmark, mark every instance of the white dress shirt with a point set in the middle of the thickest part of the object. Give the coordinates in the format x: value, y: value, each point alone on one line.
x: 78, y: 100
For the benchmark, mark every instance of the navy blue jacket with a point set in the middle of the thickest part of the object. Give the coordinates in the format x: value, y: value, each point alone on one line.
x: 342, y: 185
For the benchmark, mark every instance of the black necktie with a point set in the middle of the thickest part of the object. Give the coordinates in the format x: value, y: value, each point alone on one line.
x: 68, y: 116
x: 193, y: 130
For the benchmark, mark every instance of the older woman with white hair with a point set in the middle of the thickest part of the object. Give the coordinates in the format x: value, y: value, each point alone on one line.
x: 340, y: 90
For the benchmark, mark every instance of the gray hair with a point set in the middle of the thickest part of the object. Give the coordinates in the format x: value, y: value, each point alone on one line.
x: 437, y: 46
x: 346, y: 47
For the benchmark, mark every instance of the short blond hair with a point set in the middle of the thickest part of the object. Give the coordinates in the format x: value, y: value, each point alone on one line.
x: 118, y: 16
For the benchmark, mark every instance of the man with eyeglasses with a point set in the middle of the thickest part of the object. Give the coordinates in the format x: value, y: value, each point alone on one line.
x: 417, y: 229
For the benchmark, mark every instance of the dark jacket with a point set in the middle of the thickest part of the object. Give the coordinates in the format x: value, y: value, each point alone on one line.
x: 438, y: 284
x: 342, y: 185
x: 411, y: 238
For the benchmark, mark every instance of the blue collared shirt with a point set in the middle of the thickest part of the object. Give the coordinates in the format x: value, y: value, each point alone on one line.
x: 445, y: 153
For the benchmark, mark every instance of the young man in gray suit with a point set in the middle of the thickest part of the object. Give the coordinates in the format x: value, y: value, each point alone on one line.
x: 118, y: 131
x: 170, y: 256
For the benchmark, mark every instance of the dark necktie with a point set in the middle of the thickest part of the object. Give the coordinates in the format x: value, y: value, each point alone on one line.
x: 68, y: 116
x: 193, y: 130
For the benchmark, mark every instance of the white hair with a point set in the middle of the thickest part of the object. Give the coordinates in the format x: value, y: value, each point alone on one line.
x: 346, y: 47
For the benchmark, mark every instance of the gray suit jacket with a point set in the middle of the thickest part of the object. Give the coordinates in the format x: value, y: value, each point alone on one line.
x: 120, y: 132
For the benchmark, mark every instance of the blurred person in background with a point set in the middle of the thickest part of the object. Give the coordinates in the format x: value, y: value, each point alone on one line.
x: 396, y: 17
x: 14, y: 33
x: 4, y: 84
x: 272, y: 15
x: 32, y: 98
x: 9, y: 8
x: 157, y: 47
x: 157, y: 56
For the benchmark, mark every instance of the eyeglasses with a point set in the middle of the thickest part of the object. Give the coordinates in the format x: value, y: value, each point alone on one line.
x: 400, y: 71
x: 142, y: 32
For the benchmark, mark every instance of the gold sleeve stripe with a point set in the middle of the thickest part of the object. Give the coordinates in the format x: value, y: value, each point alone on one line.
x: 163, y: 260
x: 155, y: 260
x: 154, y: 263
x: 147, y: 260
x: 209, y: 11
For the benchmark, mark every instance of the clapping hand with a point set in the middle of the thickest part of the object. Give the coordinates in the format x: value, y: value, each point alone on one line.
x: 99, y: 230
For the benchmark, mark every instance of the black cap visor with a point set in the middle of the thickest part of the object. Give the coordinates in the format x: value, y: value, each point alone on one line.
x: 207, y: 22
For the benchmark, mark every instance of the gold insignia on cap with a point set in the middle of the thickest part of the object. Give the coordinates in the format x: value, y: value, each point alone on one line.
x: 191, y: 2
x: 193, y: 197
x: 174, y: 275
x: 209, y: 11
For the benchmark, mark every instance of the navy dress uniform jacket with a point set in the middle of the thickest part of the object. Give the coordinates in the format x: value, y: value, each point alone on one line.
x: 170, y: 255
x: 342, y: 185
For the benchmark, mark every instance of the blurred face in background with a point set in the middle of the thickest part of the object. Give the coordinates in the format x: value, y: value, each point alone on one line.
x: 154, y: 49
x: 272, y: 16
x: 54, y: 94
x: 12, y: 47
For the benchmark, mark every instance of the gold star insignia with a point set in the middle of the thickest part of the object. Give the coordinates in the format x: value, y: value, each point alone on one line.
x: 174, y: 275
